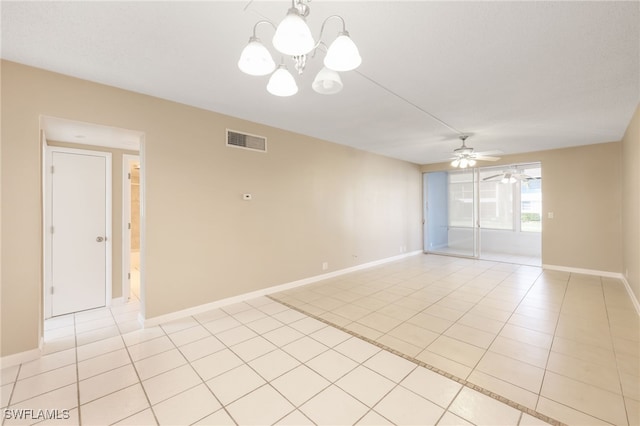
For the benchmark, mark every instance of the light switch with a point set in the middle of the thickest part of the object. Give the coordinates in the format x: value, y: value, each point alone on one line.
x: 550, y: 215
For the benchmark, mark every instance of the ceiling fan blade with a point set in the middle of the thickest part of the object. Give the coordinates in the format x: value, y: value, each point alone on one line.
x: 492, y: 153
x: 521, y: 176
x: 494, y: 176
x: 485, y: 158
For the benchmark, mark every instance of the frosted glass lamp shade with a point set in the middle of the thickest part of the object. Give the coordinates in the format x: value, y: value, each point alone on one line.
x: 256, y: 59
x: 472, y: 162
x: 293, y: 36
x: 455, y: 163
x: 282, y: 83
x: 343, y: 54
x: 327, y: 82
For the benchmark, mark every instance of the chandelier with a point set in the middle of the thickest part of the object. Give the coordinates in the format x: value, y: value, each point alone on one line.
x: 293, y: 38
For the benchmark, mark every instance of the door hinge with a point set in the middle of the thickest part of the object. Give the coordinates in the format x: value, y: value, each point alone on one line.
x: 129, y: 225
x: 52, y: 169
x: 129, y: 176
x: 51, y: 290
x: 52, y: 229
x: 129, y: 275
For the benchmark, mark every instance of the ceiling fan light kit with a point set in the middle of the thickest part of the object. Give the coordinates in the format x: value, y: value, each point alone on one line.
x: 465, y: 156
x: 293, y: 38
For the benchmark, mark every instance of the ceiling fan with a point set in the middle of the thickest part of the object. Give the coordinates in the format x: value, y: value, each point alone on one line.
x: 508, y: 176
x: 464, y: 156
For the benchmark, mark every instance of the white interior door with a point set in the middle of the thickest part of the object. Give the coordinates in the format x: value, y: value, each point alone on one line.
x: 79, y: 238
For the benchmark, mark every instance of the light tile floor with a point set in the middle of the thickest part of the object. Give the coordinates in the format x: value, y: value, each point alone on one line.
x: 566, y: 340
x: 258, y: 362
x: 564, y: 345
x: 511, y: 258
x: 495, y: 256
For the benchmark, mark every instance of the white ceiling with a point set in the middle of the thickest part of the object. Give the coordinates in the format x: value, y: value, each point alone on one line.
x: 518, y: 76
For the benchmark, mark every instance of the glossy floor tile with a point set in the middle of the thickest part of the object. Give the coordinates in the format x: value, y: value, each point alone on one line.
x: 447, y: 341
x: 299, y: 371
x: 565, y: 345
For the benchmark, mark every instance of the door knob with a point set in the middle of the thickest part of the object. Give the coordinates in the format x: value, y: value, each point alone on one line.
x: 100, y: 239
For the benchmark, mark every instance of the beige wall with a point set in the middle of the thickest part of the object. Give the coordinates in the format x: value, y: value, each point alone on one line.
x: 313, y: 201
x: 631, y: 203
x: 116, y: 212
x: 582, y: 186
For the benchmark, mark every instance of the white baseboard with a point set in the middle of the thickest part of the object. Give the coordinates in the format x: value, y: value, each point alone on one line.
x: 150, y: 322
x: 20, y: 358
x: 583, y: 271
x: 632, y: 296
x: 618, y: 275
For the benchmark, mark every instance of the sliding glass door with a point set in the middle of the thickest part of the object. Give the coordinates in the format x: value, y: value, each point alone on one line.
x: 451, y: 213
x: 490, y: 213
x: 510, y: 213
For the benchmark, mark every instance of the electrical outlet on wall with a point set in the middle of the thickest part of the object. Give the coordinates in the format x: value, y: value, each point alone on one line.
x: 325, y: 266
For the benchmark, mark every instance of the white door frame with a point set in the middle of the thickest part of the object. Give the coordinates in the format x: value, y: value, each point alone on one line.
x: 127, y: 159
x: 48, y: 252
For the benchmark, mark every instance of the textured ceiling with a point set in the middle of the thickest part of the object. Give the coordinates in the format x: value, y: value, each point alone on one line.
x: 518, y: 76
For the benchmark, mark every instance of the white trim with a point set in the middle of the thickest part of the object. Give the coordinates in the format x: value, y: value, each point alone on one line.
x: 117, y: 301
x: 20, y: 358
x: 143, y: 228
x: 109, y: 232
x: 275, y: 289
x: 127, y: 159
x: 618, y: 275
x: 141, y: 319
x: 583, y: 271
x: 45, y: 310
x: 48, y: 160
x: 632, y: 295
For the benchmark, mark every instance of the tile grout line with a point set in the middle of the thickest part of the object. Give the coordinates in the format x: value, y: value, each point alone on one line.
x: 504, y: 322
x: 13, y: 388
x: 613, y: 346
x: 202, y: 381
x: 139, y: 380
x: 301, y: 363
x: 555, y: 330
x: 487, y: 350
x: 446, y: 410
x: 563, y: 374
x: 268, y: 382
x: 463, y: 382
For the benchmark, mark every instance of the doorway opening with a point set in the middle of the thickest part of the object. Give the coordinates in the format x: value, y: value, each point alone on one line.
x: 489, y: 213
x: 112, y: 315
x: 131, y: 229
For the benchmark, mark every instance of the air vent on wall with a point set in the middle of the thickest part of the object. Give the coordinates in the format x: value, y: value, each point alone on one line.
x: 246, y: 140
